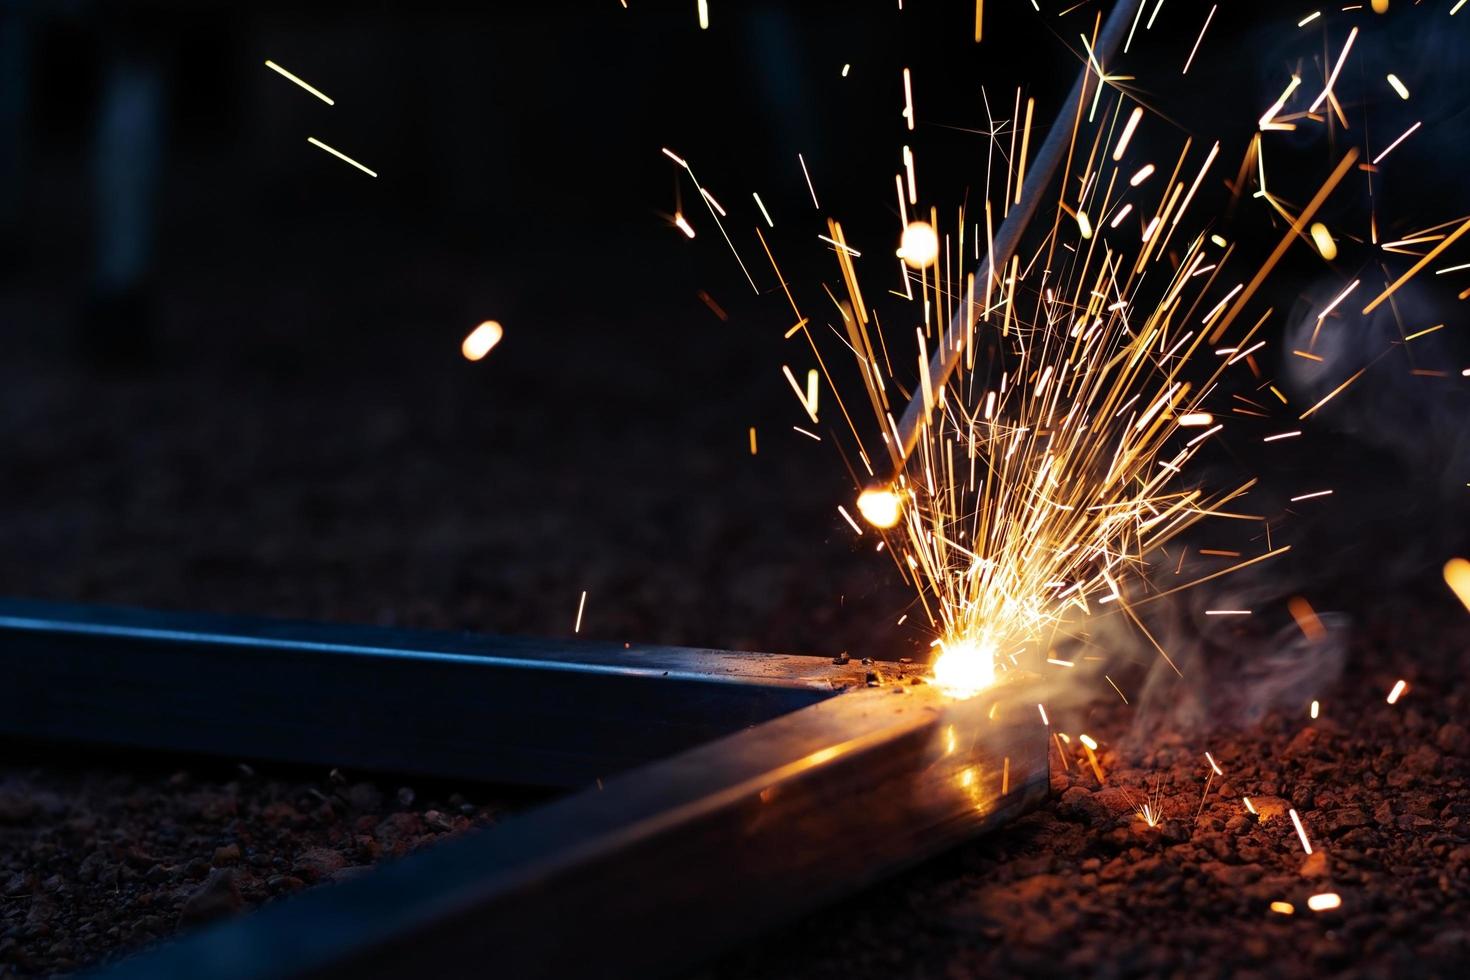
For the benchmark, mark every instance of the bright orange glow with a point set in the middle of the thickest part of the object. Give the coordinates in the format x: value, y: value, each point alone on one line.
x: 480, y: 340
x: 1324, y: 902
x: 919, y: 246
x: 965, y: 667
x: 1457, y: 577
x: 880, y: 508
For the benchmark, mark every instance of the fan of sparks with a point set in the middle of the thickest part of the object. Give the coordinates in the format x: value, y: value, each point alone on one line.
x: 1051, y: 465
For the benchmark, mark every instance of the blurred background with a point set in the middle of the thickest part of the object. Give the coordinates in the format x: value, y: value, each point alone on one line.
x: 231, y: 374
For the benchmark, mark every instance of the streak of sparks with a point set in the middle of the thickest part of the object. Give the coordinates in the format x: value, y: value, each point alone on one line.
x: 802, y: 160
x: 581, y: 607
x: 1208, y: 18
x: 1301, y: 831
x: 703, y: 10
x: 339, y: 155
x: 1389, y: 149
x: 1336, y: 68
x: 1398, y: 690
x: 1127, y: 134
x: 299, y: 81
x: 764, y: 213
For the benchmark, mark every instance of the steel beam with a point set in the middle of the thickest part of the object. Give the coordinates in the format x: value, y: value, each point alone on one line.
x: 502, y: 709
x: 666, y: 864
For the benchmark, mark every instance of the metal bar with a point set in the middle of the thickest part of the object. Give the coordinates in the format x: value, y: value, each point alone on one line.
x: 460, y: 705
x: 1037, y: 179
x: 669, y: 863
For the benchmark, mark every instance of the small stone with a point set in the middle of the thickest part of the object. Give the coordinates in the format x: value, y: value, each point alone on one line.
x: 216, y: 898
x: 1453, y: 738
x: 317, y: 863
x: 284, y: 884
x: 405, y: 796
x: 229, y: 854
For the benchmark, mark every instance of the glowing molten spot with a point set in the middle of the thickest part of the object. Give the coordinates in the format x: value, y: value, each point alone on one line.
x: 480, y: 340
x: 880, y: 508
x: 965, y: 667
x: 919, y: 246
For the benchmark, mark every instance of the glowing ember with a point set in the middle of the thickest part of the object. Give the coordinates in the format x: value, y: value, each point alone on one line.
x: 1398, y: 691
x: 919, y: 246
x: 966, y: 666
x: 1324, y: 902
x: 880, y: 508
x: 479, y: 340
x: 1283, y: 908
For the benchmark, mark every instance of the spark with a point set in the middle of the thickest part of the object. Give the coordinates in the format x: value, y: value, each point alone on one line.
x: 1429, y: 257
x: 1316, y: 709
x: 1309, y: 496
x: 908, y: 99
x: 1214, y: 765
x: 1248, y: 804
x: 1324, y: 902
x: 1143, y: 174
x: 310, y: 88
x: 1398, y: 86
x: 752, y: 440
x: 581, y: 606
x: 1399, y: 688
x: 1322, y: 238
x: 1457, y: 577
x: 1332, y: 78
x: 1128, y: 129
x: 1087, y: 740
x: 1389, y: 149
x: 675, y: 157
x: 1227, y: 612
x: 764, y: 213
x: 339, y: 155
x: 1306, y: 618
x: 1044, y: 719
x: 1309, y: 18
x: 848, y: 518
x: 683, y: 225
x: 1208, y: 18
x: 479, y: 340
x: 1301, y: 831
x: 845, y: 69
x: 802, y: 160
x: 1060, y: 663
x: 703, y: 15
x: 1283, y: 908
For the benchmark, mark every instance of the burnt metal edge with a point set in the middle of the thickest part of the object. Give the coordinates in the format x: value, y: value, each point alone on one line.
x: 556, y: 713
x: 667, y: 864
